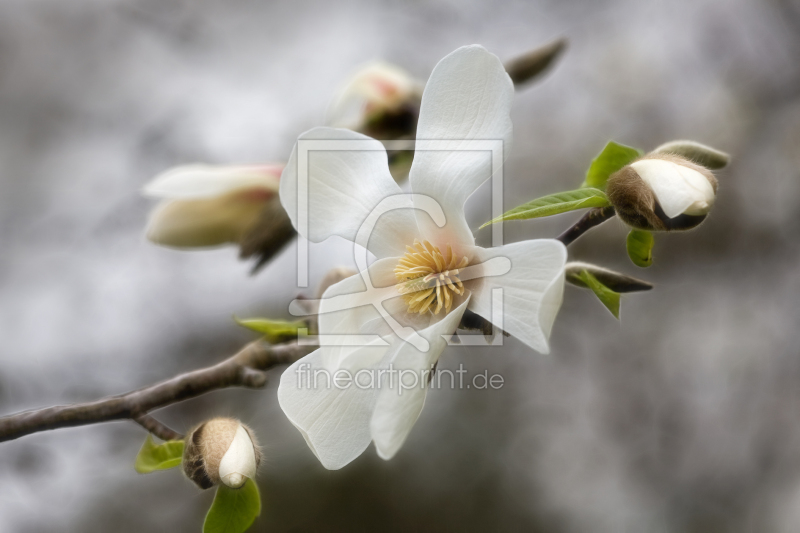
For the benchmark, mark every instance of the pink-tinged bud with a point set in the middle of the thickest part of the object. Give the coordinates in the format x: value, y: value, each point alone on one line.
x: 662, y: 192
x: 221, y: 450
x: 209, y: 206
x: 379, y: 100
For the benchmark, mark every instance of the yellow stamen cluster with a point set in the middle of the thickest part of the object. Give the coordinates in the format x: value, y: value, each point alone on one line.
x: 427, y: 277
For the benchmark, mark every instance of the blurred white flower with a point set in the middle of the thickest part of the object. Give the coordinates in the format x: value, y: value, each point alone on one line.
x: 376, y: 91
x: 209, y: 205
x: 435, y: 265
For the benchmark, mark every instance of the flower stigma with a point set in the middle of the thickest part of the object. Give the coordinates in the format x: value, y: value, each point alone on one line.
x: 427, y: 278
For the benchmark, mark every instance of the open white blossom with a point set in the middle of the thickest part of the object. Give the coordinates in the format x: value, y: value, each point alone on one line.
x: 207, y: 205
x: 427, y: 263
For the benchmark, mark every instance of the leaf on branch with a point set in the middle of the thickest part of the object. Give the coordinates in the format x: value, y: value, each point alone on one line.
x: 608, y: 297
x: 233, y: 510
x: 640, y: 247
x: 154, y: 456
x: 616, y: 281
x: 613, y: 157
x: 555, y: 204
x: 274, y: 330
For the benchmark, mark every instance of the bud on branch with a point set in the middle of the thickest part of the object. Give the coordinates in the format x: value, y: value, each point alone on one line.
x: 221, y: 450
x: 662, y: 192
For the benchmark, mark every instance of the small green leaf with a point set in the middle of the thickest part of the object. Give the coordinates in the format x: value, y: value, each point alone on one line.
x: 608, y: 297
x: 613, y: 157
x: 154, y: 456
x: 640, y: 247
x: 616, y: 281
x: 233, y: 510
x: 555, y: 204
x: 275, y: 330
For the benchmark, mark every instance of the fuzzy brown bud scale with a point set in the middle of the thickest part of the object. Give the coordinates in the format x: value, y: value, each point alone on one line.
x: 206, y: 447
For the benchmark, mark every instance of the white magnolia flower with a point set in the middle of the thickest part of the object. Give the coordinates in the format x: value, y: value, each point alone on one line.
x: 435, y: 264
x: 662, y: 191
x: 374, y: 90
x: 209, y: 205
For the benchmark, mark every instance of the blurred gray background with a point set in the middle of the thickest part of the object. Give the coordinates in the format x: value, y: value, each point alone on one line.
x: 684, y: 417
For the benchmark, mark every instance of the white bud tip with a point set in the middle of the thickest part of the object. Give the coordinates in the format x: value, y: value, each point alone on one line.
x: 239, y: 462
x: 679, y: 189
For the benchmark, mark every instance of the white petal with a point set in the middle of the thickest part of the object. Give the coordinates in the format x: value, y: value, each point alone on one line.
x: 344, y: 188
x: 398, y: 407
x: 468, y: 97
x: 679, y: 189
x: 334, y: 421
x: 206, y: 221
x: 206, y: 181
x: 239, y: 462
x: 360, y: 310
x: 532, y: 289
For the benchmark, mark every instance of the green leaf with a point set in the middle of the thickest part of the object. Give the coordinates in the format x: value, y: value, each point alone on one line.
x: 275, y: 330
x: 613, y: 157
x: 608, y: 297
x: 154, y: 456
x: 640, y: 247
x: 555, y: 204
x: 233, y: 510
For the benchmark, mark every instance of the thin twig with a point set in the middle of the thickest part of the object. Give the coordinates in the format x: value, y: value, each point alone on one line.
x: 244, y: 369
x: 594, y: 217
x: 159, y: 429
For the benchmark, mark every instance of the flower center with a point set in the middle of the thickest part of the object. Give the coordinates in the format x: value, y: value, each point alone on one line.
x: 427, y: 277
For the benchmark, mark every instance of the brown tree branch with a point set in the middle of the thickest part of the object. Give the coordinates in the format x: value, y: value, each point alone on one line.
x: 594, y: 217
x: 244, y: 369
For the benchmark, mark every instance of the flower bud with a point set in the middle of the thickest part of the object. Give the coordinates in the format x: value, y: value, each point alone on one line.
x: 532, y: 64
x: 380, y: 100
x: 209, y: 206
x: 662, y: 192
x: 221, y: 450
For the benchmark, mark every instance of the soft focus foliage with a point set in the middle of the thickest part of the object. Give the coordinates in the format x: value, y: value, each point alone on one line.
x: 162, y: 456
